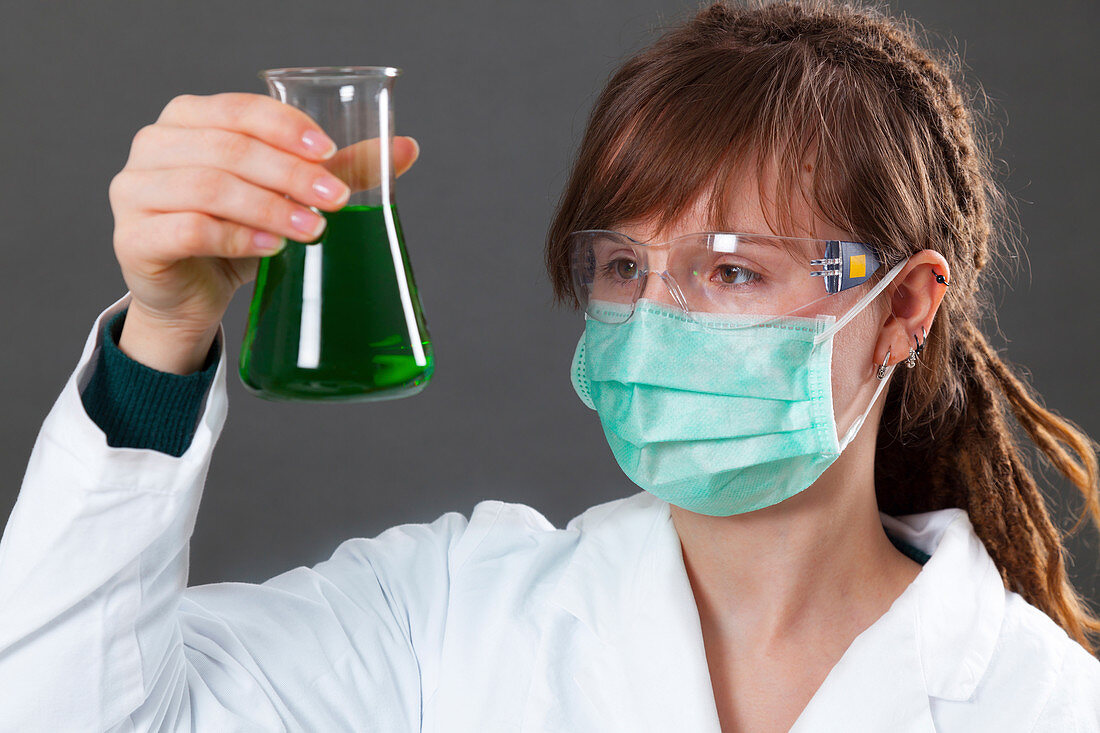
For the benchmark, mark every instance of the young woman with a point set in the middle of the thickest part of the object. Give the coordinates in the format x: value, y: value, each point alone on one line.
x: 773, y: 208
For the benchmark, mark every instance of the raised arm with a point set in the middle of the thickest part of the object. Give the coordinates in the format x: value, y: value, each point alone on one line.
x: 97, y: 628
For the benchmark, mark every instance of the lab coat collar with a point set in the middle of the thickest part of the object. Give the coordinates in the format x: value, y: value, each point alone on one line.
x: 959, y: 598
x: 627, y: 584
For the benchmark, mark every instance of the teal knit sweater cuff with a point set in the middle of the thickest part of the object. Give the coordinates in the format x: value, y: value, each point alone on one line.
x: 140, y: 407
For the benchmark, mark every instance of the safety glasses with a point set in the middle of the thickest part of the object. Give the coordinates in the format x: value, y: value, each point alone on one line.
x: 729, y: 273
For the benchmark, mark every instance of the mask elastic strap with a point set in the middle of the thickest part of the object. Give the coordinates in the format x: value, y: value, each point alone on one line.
x: 860, y: 304
x: 851, y: 434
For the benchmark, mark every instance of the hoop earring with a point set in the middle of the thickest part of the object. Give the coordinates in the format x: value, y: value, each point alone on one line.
x: 882, y: 366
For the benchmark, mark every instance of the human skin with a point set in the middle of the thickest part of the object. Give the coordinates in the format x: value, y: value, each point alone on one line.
x: 783, y: 591
x: 199, y: 183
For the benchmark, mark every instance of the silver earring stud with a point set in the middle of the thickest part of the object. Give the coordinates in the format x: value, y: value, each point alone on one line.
x: 911, y: 360
x: 882, y: 366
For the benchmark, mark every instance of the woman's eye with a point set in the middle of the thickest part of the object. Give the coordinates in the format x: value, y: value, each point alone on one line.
x: 624, y: 269
x: 733, y: 275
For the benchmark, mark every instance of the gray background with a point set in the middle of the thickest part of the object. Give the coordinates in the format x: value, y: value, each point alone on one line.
x: 497, y: 93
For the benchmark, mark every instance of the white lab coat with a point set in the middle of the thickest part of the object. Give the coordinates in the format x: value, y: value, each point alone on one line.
x: 498, y: 622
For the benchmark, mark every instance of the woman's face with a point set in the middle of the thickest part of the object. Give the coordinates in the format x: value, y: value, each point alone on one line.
x: 853, y: 363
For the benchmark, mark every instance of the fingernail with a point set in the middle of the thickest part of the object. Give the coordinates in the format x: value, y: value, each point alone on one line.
x: 331, y: 188
x: 307, y: 223
x: 267, y: 242
x: 319, y: 143
x: 415, y: 145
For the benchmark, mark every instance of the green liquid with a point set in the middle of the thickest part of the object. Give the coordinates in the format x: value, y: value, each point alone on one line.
x: 328, y: 322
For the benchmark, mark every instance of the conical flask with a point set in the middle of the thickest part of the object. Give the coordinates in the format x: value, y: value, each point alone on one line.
x: 340, y: 319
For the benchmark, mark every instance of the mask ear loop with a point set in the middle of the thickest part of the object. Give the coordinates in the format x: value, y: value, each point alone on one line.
x: 843, y: 321
x: 860, y: 304
x: 852, y: 431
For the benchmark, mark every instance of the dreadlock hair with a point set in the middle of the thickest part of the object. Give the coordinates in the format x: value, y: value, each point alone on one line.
x: 899, y: 160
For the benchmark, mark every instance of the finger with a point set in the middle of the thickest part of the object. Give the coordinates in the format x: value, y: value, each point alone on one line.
x: 163, y: 239
x: 405, y: 152
x: 221, y: 194
x: 266, y: 118
x: 359, y: 165
x: 165, y: 146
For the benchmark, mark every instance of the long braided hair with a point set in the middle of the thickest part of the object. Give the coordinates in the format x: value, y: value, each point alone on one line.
x: 897, y: 157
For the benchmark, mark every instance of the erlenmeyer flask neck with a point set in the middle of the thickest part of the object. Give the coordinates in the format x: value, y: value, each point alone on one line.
x: 354, y: 106
x: 334, y: 92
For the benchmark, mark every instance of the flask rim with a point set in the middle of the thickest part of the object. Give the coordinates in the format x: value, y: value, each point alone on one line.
x: 329, y: 72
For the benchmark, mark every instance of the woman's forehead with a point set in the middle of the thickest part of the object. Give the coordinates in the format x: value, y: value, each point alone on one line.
x: 744, y: 209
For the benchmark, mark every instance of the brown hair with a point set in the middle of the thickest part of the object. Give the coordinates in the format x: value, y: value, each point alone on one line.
x: 899, y: 160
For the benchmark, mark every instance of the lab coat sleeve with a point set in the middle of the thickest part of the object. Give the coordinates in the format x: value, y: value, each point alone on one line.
x: 98, y: 630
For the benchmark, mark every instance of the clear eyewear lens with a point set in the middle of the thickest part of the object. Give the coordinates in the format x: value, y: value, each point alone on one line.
x: 717, y: 273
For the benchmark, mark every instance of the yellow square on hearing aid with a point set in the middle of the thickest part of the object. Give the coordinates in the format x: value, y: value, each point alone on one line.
x: 857, y: 266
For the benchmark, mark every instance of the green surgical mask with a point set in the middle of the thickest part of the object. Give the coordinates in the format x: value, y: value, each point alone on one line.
x: 717, y: 414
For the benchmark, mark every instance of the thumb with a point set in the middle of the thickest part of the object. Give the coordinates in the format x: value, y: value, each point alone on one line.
x: 358, y: 164
x: 405, y: 152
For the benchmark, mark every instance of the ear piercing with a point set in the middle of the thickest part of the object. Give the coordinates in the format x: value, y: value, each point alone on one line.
x: 914, y: 352
x: 911, y: 361
x: 882, y: 366
x: 940, y: 278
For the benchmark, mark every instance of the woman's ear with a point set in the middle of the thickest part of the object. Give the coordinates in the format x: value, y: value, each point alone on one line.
x: 914, y: 297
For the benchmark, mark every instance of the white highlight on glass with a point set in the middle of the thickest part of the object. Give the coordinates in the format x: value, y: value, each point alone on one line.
x: 347, y: 93
x: 725, y: 243
x: 391, y: 228
x: 309, y: 336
